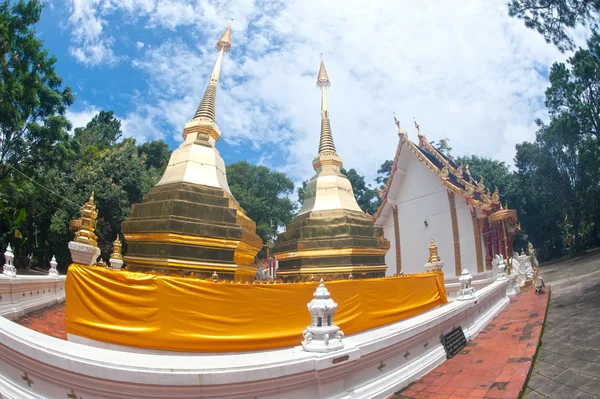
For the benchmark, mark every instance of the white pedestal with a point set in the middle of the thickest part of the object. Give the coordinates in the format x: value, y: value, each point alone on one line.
x: 116, y: 264
x: 434, y: 266
x: 83, y: 254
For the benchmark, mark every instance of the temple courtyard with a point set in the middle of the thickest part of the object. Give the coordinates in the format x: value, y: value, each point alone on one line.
x: 497, y: 363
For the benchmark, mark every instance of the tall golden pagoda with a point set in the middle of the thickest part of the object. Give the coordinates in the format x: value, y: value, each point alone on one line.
x: 189, y: 223
x: 331, y: 237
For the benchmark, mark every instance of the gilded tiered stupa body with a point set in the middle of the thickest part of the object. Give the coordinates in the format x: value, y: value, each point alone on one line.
x: 189, y: 223
x: 331, y: 237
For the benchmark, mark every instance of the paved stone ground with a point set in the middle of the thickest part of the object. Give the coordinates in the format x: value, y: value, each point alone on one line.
x: 568, y: 362
x: 493, y: 365
x: 49, y: 321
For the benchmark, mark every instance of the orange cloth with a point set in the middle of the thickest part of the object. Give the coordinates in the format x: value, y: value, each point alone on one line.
x: 185, y: 314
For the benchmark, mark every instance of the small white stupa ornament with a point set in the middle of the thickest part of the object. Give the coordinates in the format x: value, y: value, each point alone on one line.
x: 466, y: 291
x: 322, y: 335
x: 9, y: 269
x: 53, y: 264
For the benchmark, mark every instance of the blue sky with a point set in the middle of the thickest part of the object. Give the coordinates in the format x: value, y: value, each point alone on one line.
x: 465, y: 71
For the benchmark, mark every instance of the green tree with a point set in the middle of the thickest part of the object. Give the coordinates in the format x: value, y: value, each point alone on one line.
x: 383, y: 173
x: 366, y: 197
x: 553, y: 18
x: 33, y: 100
x: 263, y: 194
x: 102, y: 131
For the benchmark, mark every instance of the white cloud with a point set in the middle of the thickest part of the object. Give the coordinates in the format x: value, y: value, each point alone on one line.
x: 81, y: 117
x: 139, y: 45
x: 467, y: 72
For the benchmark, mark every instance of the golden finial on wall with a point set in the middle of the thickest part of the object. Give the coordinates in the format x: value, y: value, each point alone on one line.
x: 87, y: 225
x: 433, y: 252
x: 215, y: 277
x: 117, y: 247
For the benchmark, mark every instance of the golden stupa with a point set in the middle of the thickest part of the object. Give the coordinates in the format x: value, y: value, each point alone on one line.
x: 190, y: 224
x: 331, y: 237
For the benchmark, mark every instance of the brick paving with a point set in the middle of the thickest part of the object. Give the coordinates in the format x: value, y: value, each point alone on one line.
x: 49, y: 321
x: 493, y: 365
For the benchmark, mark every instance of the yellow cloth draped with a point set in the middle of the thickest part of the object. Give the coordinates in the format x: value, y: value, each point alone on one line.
x: 185, y: 314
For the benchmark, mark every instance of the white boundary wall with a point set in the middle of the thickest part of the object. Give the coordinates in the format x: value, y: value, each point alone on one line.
x: 373, y: 364
x: 23, y: 294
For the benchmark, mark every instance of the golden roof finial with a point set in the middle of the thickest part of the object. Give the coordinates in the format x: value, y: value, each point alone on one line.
x: 480, y: 185
x: 433, y: 252
x: 206, y: 109
x: 467, y: 171
x: 397, y: 122
x: 85, y: 233
x: 117, y: 247
x: 225, y: 40
x: 322, y: 78
x: 418, y: 128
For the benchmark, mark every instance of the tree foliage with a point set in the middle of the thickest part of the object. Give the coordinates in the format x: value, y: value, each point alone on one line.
x: 264, y: 195
x: 553, y: 18
x: 33, y: 100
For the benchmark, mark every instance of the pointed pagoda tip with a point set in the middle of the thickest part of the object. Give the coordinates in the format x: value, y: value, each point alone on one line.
x: 92, y: 197
x: 321, y: 282
x: 322, y: 78
x: 224, y: 42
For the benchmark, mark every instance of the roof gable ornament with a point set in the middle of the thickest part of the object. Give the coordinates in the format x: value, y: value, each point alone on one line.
x: 397, y: 122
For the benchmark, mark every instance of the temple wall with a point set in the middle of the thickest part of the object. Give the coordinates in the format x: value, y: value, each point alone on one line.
x: 421, y: 199
x: 468, y: 252
x: 390, y: 256
x: 23, y: 294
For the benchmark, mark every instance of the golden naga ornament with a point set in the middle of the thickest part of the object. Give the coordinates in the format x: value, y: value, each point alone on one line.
x: 433, y: 252
x: 496, y: 196
x: 117, y: 248
x: 467, y: 171
x: 397, y: 122
x: 87, y: 224
x: 480, y: 185
x: 469, y: 190
x: 444, y: 173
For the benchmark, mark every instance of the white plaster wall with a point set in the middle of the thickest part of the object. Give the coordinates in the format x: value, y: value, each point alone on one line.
x: 22, y: 294
x: 390, y: 256
x: 468, y: 252
x: 421, y: 198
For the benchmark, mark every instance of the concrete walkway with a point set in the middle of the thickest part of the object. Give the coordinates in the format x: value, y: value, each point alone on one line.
x: 568, y: 362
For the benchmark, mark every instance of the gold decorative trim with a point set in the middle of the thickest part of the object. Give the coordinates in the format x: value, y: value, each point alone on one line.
x: 329, y: 270
x: 162, y: 262
x: 182, y: 239
x: 477, y: 235
x: 397, y: 240
x: 323, y: 253
x: 455, y: 233
x: 502, y: 214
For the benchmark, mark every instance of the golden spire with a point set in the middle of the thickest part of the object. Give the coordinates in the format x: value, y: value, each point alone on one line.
x: 397, y: 122
x: 206, y: 109
x: 433, y: 252
x: 117, y: 249
x: 87, y: 225
x: 326, y: 143
x: 418, y: 128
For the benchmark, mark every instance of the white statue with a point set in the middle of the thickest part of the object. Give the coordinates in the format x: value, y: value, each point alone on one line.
x: 466, y: 291
x: 9, y: 269
x: 322, y: 335
x: 500, y: 264
x: 53, y: 264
